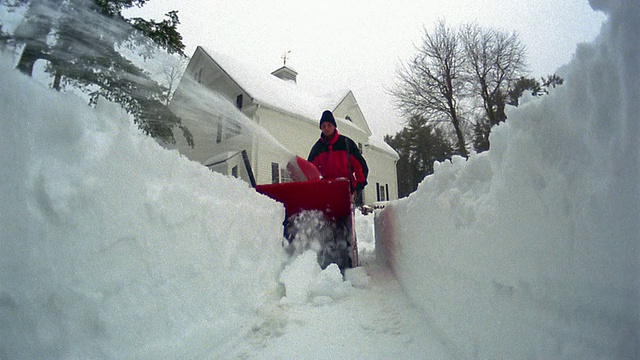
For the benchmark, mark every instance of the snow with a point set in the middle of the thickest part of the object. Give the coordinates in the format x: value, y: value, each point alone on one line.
x: 108, y: 245
x: 379, y: 143
x: 530, y: 250
x: 270, y: 90
x: 113, y: 247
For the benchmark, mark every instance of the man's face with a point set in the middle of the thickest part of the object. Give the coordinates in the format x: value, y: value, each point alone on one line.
x: 327, y: 129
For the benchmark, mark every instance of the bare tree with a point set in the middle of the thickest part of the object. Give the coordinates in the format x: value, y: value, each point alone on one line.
x: 171, y: 74
x: 432, y: 84
x: 459, y: 80
x: 496, y: 61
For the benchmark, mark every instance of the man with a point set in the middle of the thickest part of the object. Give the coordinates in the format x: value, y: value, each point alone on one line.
x: 337, y: 156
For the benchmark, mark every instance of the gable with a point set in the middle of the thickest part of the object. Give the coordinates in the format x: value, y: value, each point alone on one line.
x: 233, y: 77
x: 349, y: 110
x: 206, y: 71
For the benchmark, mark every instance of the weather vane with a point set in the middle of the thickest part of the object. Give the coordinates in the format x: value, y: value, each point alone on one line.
x: 285, y: 56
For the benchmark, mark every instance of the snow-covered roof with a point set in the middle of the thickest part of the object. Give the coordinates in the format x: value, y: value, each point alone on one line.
x: 220, y: 158
x: 383, y: 146
x: 271, y: 91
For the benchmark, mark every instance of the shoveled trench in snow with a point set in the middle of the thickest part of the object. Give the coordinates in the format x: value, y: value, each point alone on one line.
x: 112, y: 247
x: 116, y: 248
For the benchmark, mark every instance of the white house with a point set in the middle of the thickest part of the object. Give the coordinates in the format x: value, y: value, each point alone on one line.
x: 275, y: 104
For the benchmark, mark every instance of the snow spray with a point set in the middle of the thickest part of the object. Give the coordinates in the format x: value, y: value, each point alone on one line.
x: 203, y: 109
x: 212, y: 113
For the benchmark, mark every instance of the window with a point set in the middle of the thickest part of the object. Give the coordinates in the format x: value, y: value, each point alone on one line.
x: 198, y: 76
x: 348, y: 118
x: 382, y: 192
x: 285, y: 176
x: 275, y: 173
x: 234, y: 171
x: 239, y: 101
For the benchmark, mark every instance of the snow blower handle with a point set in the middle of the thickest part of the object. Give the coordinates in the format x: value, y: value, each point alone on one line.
x: 247, y: 165
x: 351, y: 187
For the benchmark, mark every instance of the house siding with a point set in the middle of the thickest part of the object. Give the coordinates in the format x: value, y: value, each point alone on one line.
x: 384, y: 172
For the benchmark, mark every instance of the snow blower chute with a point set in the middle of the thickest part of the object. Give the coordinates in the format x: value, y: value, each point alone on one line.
x: 319, y: 214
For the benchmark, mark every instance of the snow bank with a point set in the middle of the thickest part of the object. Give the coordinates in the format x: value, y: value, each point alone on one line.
x: 530, y: 250
x: 113, y: 247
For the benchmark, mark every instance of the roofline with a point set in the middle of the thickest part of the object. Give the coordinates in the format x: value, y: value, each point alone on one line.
x: 293, y: 114
x: 279, y: 109
x: 393, y: 154
x: 285, y: 67
x: 206, y: 163
x: 225, y: 72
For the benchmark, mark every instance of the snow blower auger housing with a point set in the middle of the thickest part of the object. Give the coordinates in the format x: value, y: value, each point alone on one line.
x: 319, y: 214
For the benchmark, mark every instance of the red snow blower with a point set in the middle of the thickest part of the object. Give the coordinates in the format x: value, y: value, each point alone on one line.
x: 319, y: 213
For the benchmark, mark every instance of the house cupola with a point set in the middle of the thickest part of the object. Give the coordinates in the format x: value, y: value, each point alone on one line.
x: 286, y: 73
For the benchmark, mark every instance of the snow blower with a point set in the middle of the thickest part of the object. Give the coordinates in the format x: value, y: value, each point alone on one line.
x: 319, y: 214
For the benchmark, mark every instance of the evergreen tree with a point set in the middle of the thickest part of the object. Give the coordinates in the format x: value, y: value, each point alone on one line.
x: 419, y: 145
x: 83, y: 41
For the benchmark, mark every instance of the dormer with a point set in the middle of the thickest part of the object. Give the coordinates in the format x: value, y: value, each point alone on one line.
x: 286, y: 73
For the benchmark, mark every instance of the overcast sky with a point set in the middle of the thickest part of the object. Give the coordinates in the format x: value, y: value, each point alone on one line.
x: 358, y: 44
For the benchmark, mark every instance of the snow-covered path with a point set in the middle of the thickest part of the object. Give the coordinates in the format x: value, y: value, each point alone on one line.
x: 365, y: 314
x: 375, y: 321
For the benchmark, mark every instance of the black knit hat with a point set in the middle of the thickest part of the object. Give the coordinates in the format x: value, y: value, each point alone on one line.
x: 327, y: 116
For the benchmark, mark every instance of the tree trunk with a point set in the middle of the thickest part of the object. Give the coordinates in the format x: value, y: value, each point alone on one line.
x: 462, y: 148
x: 56, y: 80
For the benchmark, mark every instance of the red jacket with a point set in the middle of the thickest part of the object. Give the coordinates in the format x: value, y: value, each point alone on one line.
x: 330, y: 157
